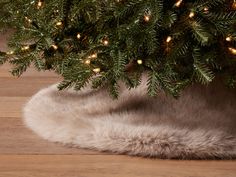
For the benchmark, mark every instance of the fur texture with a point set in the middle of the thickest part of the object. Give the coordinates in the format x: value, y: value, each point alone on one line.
x: 199, y: 125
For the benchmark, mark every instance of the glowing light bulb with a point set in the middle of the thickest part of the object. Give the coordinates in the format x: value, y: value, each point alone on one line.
x: 25, y: 47
x: 178, y: 3
x: 147, y: 18
x: 206, y: 9
x: 27, y: 19
x: 228, y: 39
x: 78, y: 35
x: 87, y: 62
x: 40, y: 4
x: 58, y: 23
x: 55, y: 47
x: 94, y: 55
x: 10, y: 52
x: 232, y: 50
x: 234, y: 5
x: 140, y: 62
x: 168, y: 39
x: 97, y: 70
x: 105, y: 42
x: 192, y: 14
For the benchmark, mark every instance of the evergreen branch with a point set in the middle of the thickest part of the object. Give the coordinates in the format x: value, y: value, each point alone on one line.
x: 3, y: 58
x: 202, y: 72
x: 119, y: 63
x: 132, y: 80
x: 200, y: 33
x: 113, y: 88
x: 135, y: 30
x: 152, y: 83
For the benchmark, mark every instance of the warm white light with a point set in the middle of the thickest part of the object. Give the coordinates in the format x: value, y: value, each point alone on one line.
x: 25, y: 47
x: 169, y: 38
x: 234, y: 5
x: 87, y: 62
x: 97, y: 70
x: 59, y: 23
x: 10, y: 52
x: 29, y: 20
x: 105, y: 42
x: 55, y: 47
x: 147, y: 18
x: 206, y: 9
x: 140, y: 62
x: 192, y: 14
x: 232, y: 50
x: 78, y: 35
x: 94, y: 55
x: 228, y: 39
x: 40, y: 4
x: 177, y: 4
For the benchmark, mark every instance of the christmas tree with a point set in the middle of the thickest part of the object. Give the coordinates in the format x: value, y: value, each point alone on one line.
x: 177, y: 42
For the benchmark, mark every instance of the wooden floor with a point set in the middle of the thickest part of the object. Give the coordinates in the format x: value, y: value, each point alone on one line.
x: 23, y: 154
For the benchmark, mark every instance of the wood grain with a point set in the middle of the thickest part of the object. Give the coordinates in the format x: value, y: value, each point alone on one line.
x: 24, y: 87
x: 24, y: 154
x: 31, y: 72
x: 15, y: 138
x: 109, y: 166
x: 11, y: 106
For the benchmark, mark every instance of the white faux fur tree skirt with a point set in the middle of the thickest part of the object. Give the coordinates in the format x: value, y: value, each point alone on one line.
x: 200, y: 125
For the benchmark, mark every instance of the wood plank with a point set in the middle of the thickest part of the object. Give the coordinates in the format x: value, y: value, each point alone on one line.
x: 12, y: 106
x: 31, y: 72
x: 16, y: 138
x: 24, y: 87
x: 110, y: 165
